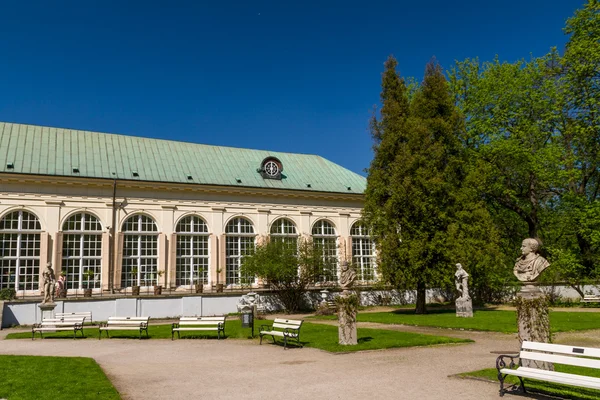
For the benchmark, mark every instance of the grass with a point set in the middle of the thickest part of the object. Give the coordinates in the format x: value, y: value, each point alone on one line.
x: 547, y: 388
x: 483, y: 320
x: 320, y: 336
x: 32, y: 377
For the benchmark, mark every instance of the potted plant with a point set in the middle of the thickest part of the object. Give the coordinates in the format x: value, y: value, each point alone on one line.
x: 89, y: 277
x: 135, y: 288
x: 199, y: 279
x: 219, y: 286
x: 157, y: 287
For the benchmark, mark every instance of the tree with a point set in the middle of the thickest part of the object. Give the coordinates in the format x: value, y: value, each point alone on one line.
x: 414, y: 183
x: 289, y: 269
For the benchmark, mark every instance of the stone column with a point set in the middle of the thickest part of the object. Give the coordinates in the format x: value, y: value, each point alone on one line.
x: 347, y: 306
x: 533, y: 321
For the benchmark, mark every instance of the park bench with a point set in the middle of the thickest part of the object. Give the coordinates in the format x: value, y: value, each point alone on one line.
x: 187, y: 324
x: 590, y: 299
x: 124, y: 324
x: 86, y: 314
x: 58, y: 324
x: 550, y: 353
x: 286, y: 328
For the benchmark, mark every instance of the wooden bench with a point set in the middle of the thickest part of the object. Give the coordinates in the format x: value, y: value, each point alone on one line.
x: 590, y: 299
x: 124, y: 324
x: 187, y: 324
x: 58, y: 324
x: 86, y: 314
x: 550, y: 353
x: 286, y: 328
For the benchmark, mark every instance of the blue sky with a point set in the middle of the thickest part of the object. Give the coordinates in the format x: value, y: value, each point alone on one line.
x: 277, y: 75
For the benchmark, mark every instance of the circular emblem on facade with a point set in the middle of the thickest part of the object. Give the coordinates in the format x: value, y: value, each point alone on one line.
x: 271, y: 168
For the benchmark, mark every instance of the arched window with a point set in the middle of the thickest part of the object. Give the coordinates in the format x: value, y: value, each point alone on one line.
x: 192, y: 260
x: 239, y: 242
x: 284, y: 230
x: 363, y: 254
x: 324, y: 235
x: 140, y: 251
x: 20, y: 251
x: 82, y: 251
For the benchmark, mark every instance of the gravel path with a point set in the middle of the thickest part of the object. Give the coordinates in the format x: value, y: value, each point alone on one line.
x: 240, y: 369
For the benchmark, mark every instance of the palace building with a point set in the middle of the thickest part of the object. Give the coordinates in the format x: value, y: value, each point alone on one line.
x: 114, y: 211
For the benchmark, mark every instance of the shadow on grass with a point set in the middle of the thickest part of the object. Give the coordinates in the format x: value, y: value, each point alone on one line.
x: 364, y: 339
x: 434, y: 311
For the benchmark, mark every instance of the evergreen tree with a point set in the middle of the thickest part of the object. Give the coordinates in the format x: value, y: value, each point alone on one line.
x: 414, y: 193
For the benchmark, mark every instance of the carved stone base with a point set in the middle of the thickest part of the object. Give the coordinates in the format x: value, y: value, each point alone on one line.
x: 347, y: 305
x: 47, y: 310
x: 464, y: 307
x: 533, y: 320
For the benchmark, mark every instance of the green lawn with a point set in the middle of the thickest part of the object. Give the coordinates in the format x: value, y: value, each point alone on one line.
x: 483, y: 320
x: 30, y: 377
x: 552, y: 389
x: 324, y: 337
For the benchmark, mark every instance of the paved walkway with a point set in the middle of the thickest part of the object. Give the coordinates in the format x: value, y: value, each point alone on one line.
x: 241, y: 369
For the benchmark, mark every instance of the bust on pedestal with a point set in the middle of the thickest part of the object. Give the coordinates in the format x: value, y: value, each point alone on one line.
x: 531, y: 303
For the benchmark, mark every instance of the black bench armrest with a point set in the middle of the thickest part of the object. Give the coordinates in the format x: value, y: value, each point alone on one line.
x: 502, y: 359
x: 102, y: 324
x: 175, y: 325
x: 264, y: 328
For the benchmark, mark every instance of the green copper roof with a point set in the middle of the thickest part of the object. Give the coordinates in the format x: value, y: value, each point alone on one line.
x: 37, y: 150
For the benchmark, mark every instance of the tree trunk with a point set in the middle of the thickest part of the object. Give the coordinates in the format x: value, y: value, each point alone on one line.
x: 421, y: 305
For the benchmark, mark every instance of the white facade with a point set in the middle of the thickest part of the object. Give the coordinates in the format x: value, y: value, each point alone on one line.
x: 54, y: 200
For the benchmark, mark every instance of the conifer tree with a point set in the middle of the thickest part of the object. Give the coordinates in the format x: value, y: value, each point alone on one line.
x: 414, y: 182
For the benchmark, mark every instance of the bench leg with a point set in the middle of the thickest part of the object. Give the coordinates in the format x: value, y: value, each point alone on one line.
x: 259, y: 335
x: 522, y: 386
x: 501, y: 379
x: 284, y: 342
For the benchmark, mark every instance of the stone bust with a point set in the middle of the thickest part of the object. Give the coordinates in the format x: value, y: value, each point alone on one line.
x: 530, y: 265
x: 347, y: 276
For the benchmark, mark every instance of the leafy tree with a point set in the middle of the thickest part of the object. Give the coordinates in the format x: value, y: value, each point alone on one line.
x: 533, y: 131
x: 289, y: 269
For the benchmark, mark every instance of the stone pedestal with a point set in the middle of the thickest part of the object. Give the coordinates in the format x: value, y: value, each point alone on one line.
x: 533, y: 320
x: 464, y: 307
x: 347, y: 308
x: 47, y: 311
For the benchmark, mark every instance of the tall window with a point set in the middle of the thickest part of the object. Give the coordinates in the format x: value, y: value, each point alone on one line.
x: 140, y: 251
x: 192, y: 251
x: 239, y: 242
x: 284, y: 230
x: 82, y: 251
x: 324, y: 236
x: 363, y: 255
x: 20, y: 251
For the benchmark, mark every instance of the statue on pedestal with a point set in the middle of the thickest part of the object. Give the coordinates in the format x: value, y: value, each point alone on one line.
x: 49, y: 281
x: 464, y: 305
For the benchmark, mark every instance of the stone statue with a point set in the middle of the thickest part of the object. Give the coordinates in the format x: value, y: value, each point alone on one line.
x: 461, y: 279
x: 49, y: 283
x: 464, y: 304
x: 347, y: 276
x: 530, y: 265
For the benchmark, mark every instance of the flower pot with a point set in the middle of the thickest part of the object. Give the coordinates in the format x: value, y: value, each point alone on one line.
x: 199, y: 287
x: 87, y: 292
x: 135, y: 290
x: 157, y: 290
x: 219, y: 287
